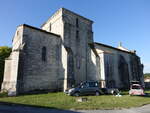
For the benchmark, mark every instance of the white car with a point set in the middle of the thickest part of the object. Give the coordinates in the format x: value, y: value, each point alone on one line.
x: 136, y: 89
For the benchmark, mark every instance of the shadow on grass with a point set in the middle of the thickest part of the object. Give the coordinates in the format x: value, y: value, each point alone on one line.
x: 146, y: 95
x: 8, y: 107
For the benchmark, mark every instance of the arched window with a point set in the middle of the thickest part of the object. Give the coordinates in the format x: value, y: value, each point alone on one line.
x: 44, y: 54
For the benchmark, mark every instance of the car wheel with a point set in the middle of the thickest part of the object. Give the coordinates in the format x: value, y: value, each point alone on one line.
x: 97, y: 93
x: 76, y: 94
x: 115, y: 93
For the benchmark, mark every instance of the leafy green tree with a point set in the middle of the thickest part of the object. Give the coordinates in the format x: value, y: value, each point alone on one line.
x: 147, y: 75
x: 4, y: 53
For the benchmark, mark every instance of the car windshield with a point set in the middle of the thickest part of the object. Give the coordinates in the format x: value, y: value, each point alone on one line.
x: 88, y: 84
x: 136, y: 87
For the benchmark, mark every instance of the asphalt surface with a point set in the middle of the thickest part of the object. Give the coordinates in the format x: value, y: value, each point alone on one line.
x: 25, y: 109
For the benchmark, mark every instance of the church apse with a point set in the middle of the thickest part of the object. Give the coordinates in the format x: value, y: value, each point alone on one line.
x: 136, y: 69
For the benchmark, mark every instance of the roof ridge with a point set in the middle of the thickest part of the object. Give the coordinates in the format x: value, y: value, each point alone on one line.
x: 39, y: 29
x: 64, y: 9
x: 113, y: 47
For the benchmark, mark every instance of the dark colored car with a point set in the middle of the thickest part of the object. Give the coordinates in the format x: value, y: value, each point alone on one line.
x: 85, y: 88
x: 113, y: 91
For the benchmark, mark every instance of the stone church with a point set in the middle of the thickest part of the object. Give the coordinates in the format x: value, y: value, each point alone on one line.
x: 62, y: 53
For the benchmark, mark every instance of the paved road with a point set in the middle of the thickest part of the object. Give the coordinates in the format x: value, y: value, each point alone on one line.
x: 24, y: 109
x: 143, y: 109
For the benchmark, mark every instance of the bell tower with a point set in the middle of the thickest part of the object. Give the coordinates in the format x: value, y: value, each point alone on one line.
x: 76, y: 33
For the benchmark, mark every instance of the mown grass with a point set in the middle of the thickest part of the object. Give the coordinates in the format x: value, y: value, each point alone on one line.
x: 63, y: 101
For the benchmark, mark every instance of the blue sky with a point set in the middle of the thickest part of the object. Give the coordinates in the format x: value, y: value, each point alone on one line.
x: 126, y: 21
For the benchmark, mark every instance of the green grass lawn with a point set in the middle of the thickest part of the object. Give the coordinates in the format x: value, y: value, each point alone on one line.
x: 63, y: 101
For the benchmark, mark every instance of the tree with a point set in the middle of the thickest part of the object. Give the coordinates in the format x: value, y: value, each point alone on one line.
x: 4, y: 53
x: 147, y: 75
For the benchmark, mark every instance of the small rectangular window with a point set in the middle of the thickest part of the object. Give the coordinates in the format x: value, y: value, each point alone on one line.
x: 44, y: 54
x: 77, y: 34
x: 77, y: 22
x: 50, y: 27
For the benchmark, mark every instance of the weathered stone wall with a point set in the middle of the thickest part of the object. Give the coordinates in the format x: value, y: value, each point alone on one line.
x: 93, y: 69
x: 55, y: 25
x: 118, y: 65
x: 136, y: 69
x: 36, y: 74
x: 76, y: 38
x: 74, y: 48
x: 7, y: 74
x: 11, y: 64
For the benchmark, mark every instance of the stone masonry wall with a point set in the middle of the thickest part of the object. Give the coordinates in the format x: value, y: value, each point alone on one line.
x: 77, y: 35
x: 11, y: 64
x: 122, y: 72
x: 37, y: 74
x: 75, y: 50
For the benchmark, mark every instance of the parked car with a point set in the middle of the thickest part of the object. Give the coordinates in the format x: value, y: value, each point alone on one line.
x: 85, y: 88
x: 136, y: 89
x: 113, y: 91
